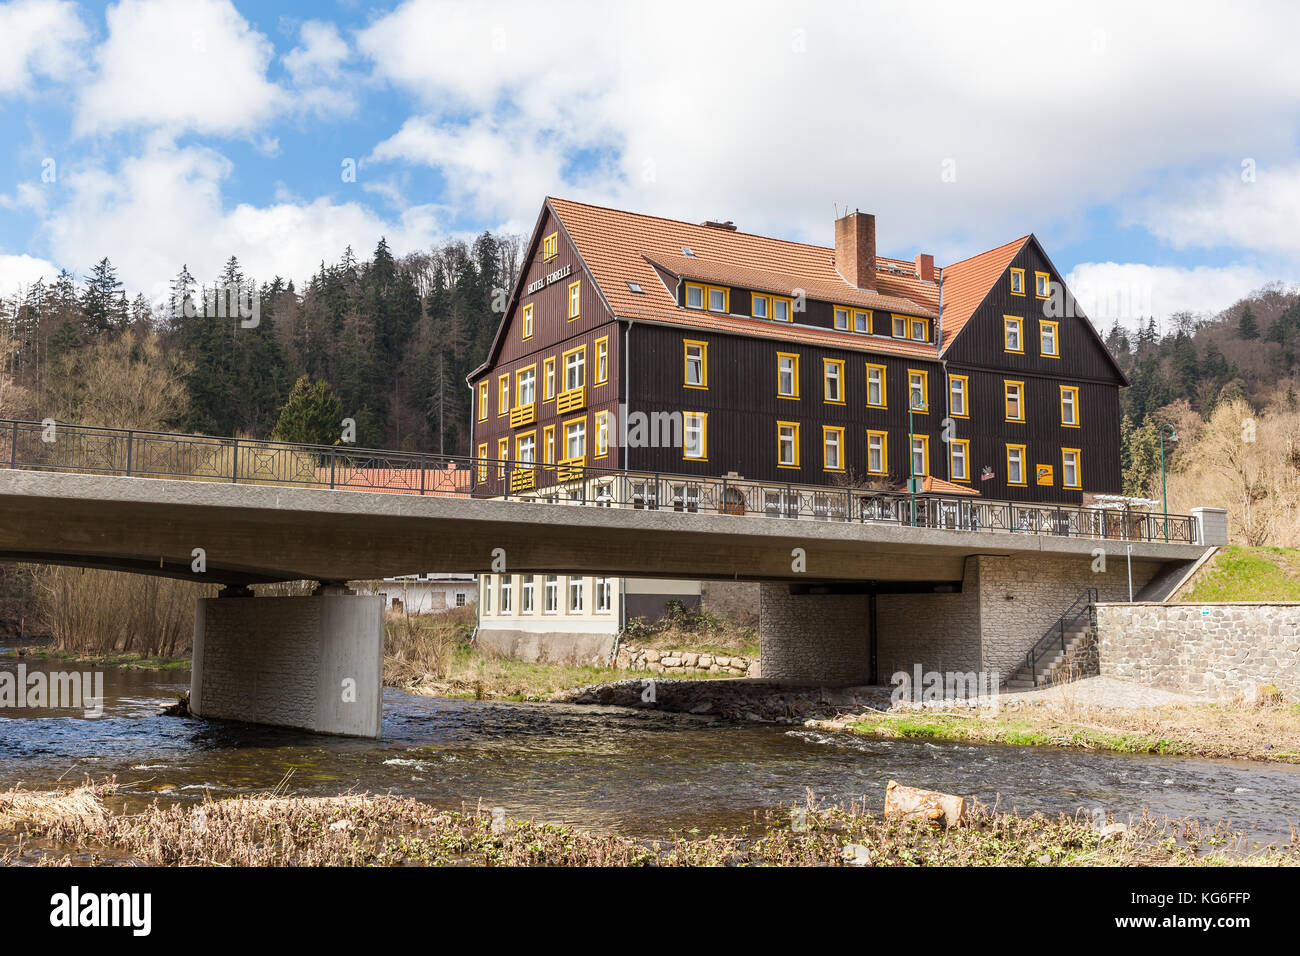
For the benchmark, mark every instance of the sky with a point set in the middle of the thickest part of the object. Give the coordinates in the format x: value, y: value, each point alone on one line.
x: 1152, y: 148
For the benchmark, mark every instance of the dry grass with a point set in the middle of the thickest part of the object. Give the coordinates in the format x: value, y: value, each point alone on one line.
x: 39, y: 808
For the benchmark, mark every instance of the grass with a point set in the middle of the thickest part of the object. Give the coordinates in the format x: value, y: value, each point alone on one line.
x: 128, y: 661
x: 1239, y: 573
x: 364, y: 830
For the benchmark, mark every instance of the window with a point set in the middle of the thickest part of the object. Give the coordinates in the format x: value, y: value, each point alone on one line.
x: 862, y: 321
x: 958, y: 392
x: 760, y: 306
x: 551, y: 596
x: 841, y: 319
x: 507, y: 587
x: 527, y: 586
x: 696, y: 374
x: 1016, y: 465
x: 1070, y: 406
x: 548, y: 380
x: 833, y: 383
x: 483, y: 400
x: 832, y: 448
x: 900, y: 327
x: 920, y: 455
x: 959, y: 459
x: 1042, y: 285
x: 920, y: 330
x: 782, y: 309
x: 503, y: 398
x: 575, y: 439
x: 876, y: 386
x: 575, y: 368
x: 1048, y: 334
x: 487, y: 595
x: 526, y: 447
x: 1015, y: 400
x: 787, y: 444
x: 551, y: 246
x: 1070, y: 471
x: 635, y: 287
x: 877, y: 452
x: 695, y: 436
x: 918, y: 390
x: 712, y: 298
x: 503, y: 454
x: 528, y: 321
x: 575, y: 595
x: 575, y: 299
x: 787, y: 375
x: 1012, y: 341
x: 548, y: 445
x: 602, y: 360
x: 604, y: 594
x: 1017, y: 281
x: 482, y: 457
x: 460, y: 598
x: 526, y: 385
x: 602, y: 434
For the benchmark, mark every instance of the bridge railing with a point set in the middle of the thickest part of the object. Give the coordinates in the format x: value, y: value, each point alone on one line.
x: 149, y: 454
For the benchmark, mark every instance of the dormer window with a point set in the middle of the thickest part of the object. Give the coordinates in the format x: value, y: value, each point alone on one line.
x: 920, y: 331
x: 861, y: 321
x: 712, y: 298
x: 841, y: 319
x: 760, y: 307
x: 900, y: 326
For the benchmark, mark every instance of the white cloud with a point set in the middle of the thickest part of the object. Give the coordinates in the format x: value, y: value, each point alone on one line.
x: 316, y: 68
x: 20, y: 271
x: 180, y: 65
x: 41, y: 37
x: 1130, y: 292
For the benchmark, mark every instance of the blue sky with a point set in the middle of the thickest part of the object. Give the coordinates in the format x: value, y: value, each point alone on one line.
x: 1152, y: 148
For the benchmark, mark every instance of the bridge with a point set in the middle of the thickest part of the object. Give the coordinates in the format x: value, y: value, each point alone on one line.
x: 856, y: 582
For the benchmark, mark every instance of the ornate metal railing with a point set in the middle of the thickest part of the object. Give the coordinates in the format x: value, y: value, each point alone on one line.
x: 149, y: 454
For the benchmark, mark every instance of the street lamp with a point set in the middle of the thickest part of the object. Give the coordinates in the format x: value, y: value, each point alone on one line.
x: 1164, y: 495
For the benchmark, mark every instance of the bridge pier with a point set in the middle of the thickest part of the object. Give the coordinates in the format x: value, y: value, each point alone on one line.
x: 313, y: 663
x: 813, y: 638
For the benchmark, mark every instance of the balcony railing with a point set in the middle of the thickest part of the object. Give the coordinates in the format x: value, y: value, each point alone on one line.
x: 146, y: 454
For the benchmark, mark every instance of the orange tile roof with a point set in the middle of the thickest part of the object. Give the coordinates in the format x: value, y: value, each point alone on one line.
x: 937, y: 486
x: 966, y: 283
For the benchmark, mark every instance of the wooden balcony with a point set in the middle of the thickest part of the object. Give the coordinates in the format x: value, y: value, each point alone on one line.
x: 575, y: 399
x: 522, y: 415
x: 522, y: 479
x: 571, y: 468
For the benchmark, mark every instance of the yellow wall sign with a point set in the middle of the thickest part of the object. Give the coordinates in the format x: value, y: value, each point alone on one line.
x: 1044, y: 473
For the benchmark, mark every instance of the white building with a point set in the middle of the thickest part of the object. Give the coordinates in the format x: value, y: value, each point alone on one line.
x: 427, y: 593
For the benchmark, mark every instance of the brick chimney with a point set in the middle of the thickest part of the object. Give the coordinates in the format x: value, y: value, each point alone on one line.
x: 925, y: 267
x: 855, y: 249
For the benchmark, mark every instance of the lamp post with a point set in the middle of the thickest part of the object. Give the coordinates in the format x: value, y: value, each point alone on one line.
x: 1164, y: 495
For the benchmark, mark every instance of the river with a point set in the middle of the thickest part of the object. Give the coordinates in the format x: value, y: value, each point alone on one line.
x: 642, y: 773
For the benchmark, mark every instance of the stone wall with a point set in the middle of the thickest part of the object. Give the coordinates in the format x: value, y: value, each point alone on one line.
x: 676, y: 663
x: 813, y: 638
x: 734, y: 601
x: 941, y: 632
x: 582, y: 648
x: 1207, y: 650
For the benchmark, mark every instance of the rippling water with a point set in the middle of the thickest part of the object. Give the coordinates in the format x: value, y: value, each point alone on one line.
x: 639, y: 772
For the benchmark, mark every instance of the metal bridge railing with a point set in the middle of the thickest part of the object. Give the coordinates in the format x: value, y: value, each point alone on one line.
x: 148, y: 454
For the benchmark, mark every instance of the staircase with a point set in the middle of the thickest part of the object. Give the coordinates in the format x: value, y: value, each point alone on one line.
x: 1046, y: 661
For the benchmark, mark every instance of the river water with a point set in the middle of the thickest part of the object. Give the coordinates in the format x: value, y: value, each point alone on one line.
x: 642, y: 773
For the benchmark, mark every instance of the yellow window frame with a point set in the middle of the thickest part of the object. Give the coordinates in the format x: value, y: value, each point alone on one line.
x: 794, y: 426
x: 1024, y: 466
x: 1007, y: 385
x: 898, y: 322
x: 519, y: 377
x: 1078, y: 468
x: 1018, y: 274
x: 1043, y: 325
x: 767, y: 302
x: 527, y: 328
x: 1019, y: 323
x: 705, y: 291
x: 884, y: 451
x: 794, y: 377
x: 564, y: 436
x: 551, y: 246
x: 483, y: 399
x: 965, y: 395
x: 482, y: 462
x: 1047, y: 285
x: 704, y: 363
x: 1074, y: 391
x: 564, y: 368
x: 925, y: 330
x: 870, y: 321
x: 964, y: 444
x: 838, y: 431
x: 599, y: 421
x: 884, y: 389
x: 519, y: 441
x: 836, y: 312
x: 503, y: 394
x: 789, y: 308
x: 548, y: 445
x: 572, y: 314
x: 826, y: 365
x: 703, y: 418
x: 602, y: 358
x: 925, y: 455
x: 503, y: 454
x: 548, y: 379
x: 924, y: 407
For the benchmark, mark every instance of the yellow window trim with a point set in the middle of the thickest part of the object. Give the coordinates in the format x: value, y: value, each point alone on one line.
x: 797, y: 456
x: 704, y: 296
x: 704, y: 363
x: 519, y: 376
x: 564, y: 435
x: 551, y: 246
x: 602, y: 345
x: 794, y: 376
x: 503, y: 408
x: 503, y: 453
x: 871, y: 320
x: 1044, y: 324
x: 848, y: 318
x: 895, y: 318
x: 925, y: 456
x: 482, y: 457
x: 826, y: 364
x: 548, y: 444
x: 564, y: 365
x: 789, y: 308
x: 1073, y: 390
x: 483, y: 399
x: 924, y: 408
x: 548, y: 365
x: 1007, y: 385
x: 826, y: 431
x: 597, y: 420
x: 1047, y: 285
x: 1078, y: 468
x: 965, y: 444
x: 1007, y: 321
x: 884, y: 451
x: 704, y: 436
x: 1024, y: 468
x: 573, y: 316
x: 965, y: 395
x: 925, y: 328
x: 884, y: 389
x: 519, y: 440
x: 1021, y: 274
x: 528, y: 321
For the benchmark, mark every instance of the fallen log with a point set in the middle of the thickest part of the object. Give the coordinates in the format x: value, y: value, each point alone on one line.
x: 913, y: 803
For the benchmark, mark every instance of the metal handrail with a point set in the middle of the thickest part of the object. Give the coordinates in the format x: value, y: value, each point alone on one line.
x: 153, y: 454
x: 1056, y: 633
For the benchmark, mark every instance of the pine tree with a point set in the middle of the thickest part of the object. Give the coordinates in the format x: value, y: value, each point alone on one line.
x: 313, y: 415
x: 1247, y: 326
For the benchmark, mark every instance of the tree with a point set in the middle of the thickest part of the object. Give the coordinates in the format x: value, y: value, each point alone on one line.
x: 313, y: 415
x: 1247, y: 326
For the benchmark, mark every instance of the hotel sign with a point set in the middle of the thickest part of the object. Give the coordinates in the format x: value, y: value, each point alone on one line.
x: 555, y: 276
